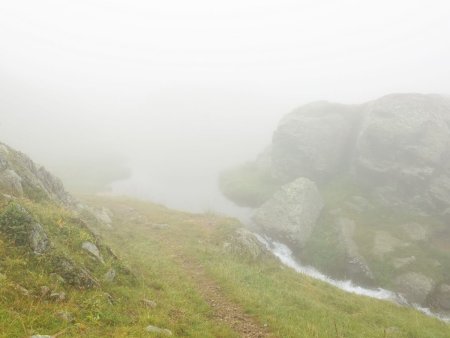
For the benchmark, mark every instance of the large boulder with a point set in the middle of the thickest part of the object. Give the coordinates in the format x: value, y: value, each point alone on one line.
x: 292, y: 212
x: 415, y: 287
x: 314, y: 141
x: 440, y: 298
x: 73, y: 273
x: 402, y: 142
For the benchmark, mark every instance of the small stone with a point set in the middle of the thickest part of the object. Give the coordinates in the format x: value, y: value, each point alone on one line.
x: 110, y: 275
x: 160, y: 226
x: 57, y: 278
x: 58, y: 296
x: 149, y: 303
x: 41, y: 336
x: 66, y: 316
x: 38, y: 239
x: 110, y: 298
x: 93, y: 250
x: 104, y: 216
x: 45, y: 291
x: 22, y: 290
x: 154, y: 329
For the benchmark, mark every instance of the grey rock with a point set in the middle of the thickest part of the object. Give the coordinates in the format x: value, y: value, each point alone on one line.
x: 154, y: 329
x: 110, y: 275
x: 20, y: 176
x: 22, y: 290
x: 38, y: 239
x: 73, y: 274
x: 357, y: 267
x: 160, y: 226
x: 93, y: 250
x: 3, y: 161
x: 45, y: 291
x: 104, y: 216
x: 11, y: 183
x: 53, y: 186
x: 313, y: 141
x: 41, y: 336
x: 244, y: 243
x: 66, y: 316
x: 58, y: 296
x: 401, y: 142
x: 415, y: 287
x: 292, y: 212
x: 440, y: 299
x: 149, y: 303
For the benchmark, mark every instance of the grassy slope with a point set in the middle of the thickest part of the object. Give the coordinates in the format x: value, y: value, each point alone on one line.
x: 94, y: 314
x: 290, y: 304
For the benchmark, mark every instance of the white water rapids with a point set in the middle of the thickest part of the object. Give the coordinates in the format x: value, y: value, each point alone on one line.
x: 284, y: 254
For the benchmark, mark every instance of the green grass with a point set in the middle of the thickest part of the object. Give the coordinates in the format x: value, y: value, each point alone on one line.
x: 290, y: 304
x: 247, y: 185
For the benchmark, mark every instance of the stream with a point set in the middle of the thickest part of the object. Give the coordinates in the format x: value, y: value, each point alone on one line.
x: 144, y: 186
x: 284, y: 254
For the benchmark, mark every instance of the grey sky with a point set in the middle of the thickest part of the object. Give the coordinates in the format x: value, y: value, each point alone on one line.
x: 201, y: 84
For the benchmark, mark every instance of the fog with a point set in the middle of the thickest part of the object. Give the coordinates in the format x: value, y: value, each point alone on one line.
x: 176, y: 91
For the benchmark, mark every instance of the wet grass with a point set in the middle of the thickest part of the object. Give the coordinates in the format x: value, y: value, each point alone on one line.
x: 149, y: 241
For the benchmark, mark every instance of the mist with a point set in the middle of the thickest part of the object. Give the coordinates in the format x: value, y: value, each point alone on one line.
x: 164, y: 96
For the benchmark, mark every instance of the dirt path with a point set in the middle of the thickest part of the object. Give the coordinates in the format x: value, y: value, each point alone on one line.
x: 224, y: 309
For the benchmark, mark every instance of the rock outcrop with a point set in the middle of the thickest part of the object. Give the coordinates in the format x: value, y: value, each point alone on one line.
x: 415, y: 287
x: 383, y: 168
x: 402, y: 143
x: 45, y: 225
x: 398, y: 146
x: 21, y: 177
x: 292, y: 212
x: 314, y: 141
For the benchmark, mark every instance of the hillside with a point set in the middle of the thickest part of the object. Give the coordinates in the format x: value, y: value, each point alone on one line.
x: 158, y: 272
